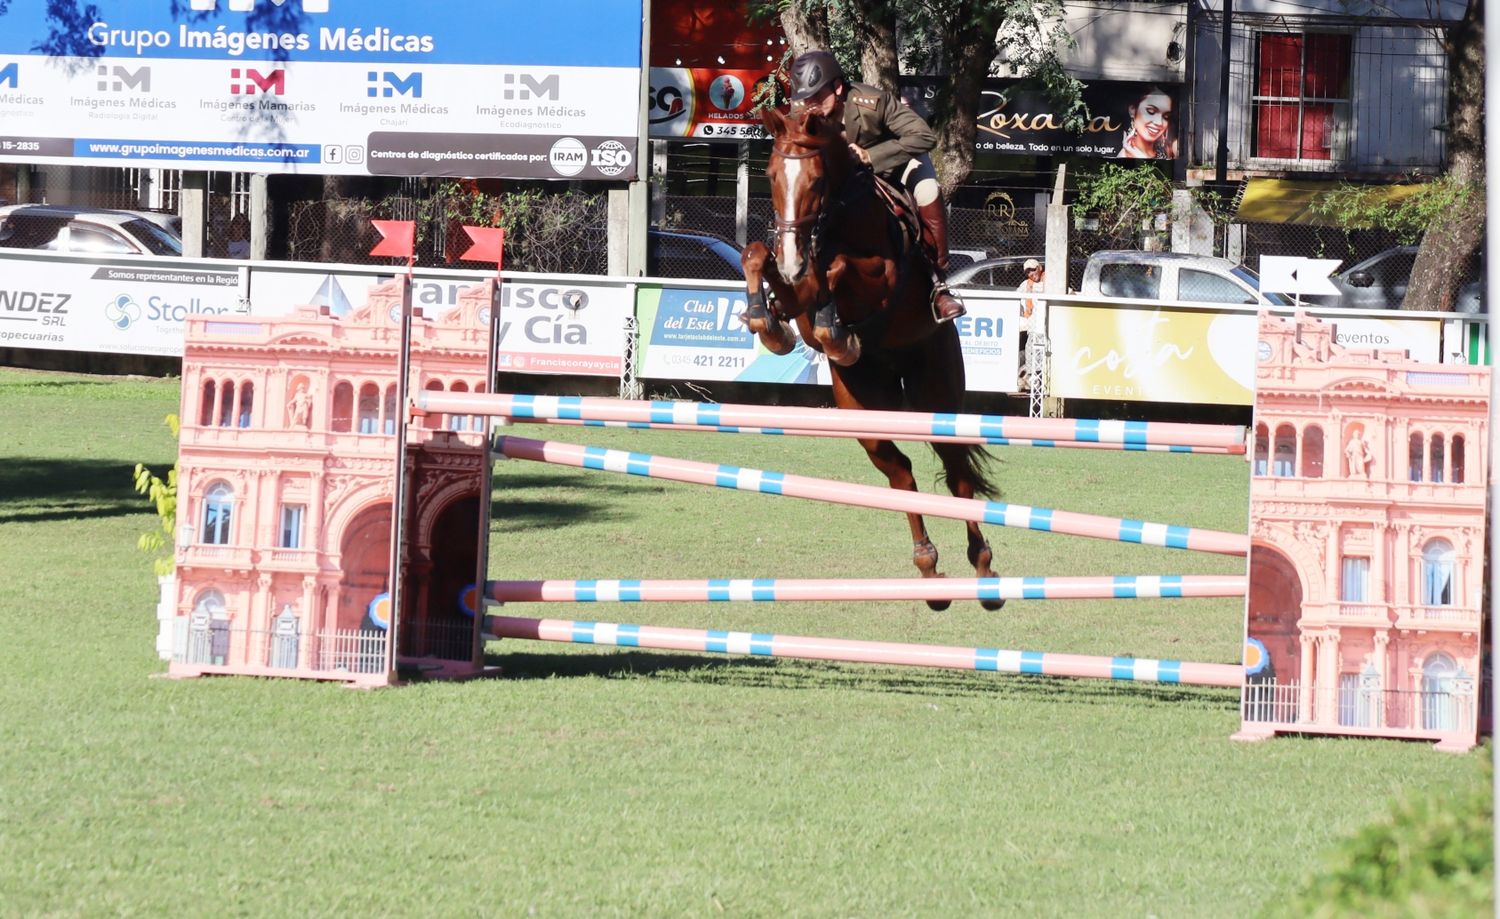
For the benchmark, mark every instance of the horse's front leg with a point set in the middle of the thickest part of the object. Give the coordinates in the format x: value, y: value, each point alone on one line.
x: 897, y: 469
x: 775, y: 334
x: 834, y: 339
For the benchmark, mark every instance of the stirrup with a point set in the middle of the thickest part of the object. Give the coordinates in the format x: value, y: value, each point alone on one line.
x: 938, y: 290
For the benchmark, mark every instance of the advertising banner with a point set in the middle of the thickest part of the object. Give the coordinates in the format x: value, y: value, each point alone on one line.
x: 546, y: 326
x: 704, y: 103
x: 697, y: 334
x: 110, y: 308
x: 1165, y: 355
x: 347, y: 87
x: 1126, y: 120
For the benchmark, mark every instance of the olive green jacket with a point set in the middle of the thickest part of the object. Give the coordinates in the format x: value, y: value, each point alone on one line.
x: 886, y: 128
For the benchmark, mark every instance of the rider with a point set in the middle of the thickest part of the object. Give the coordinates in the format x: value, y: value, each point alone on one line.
x: 892, y: 139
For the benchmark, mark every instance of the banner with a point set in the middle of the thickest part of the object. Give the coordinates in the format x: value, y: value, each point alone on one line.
x: 1126, y: 120
x: 113, y: 308
x: 704, y: 103
x: 345, y: 87
x: 697, y: 334
x: 547, y: 326
x: 1194, y: 356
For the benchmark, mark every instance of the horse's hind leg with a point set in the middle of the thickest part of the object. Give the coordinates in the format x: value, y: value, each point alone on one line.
x: 897, y: 469
x: 956, y: 465
x: 774, y: 334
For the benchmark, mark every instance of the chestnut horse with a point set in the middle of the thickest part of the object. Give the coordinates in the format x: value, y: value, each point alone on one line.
x: 851, y: 276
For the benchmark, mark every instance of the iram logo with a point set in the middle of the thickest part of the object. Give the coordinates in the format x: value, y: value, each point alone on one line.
x: 246, y: 6
x: 568, y: 156
x: 524, y: 86
x: 387, y: 84
x: 122, y: 312
x: 247, y: 81
x: 10, y: 75
x: 117, y: 79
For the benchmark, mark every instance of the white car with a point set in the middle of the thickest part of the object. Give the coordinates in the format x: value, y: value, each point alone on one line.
x: 1132, y: 275
x: 84, y: 230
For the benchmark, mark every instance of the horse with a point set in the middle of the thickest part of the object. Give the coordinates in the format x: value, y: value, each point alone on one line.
x: 848, y: 273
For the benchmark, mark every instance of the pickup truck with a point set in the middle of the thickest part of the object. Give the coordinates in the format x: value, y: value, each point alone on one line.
x: 1133, y: 275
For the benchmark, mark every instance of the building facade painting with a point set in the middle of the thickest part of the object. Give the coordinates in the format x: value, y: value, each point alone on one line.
x: 286, y: 483
x: 1367, y: 511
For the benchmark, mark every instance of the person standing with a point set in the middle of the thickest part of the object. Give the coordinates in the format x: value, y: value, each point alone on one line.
x: 1034, y: 283
x: 885, y: 134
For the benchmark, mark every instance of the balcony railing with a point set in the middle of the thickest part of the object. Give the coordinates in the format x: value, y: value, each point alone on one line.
x: 218, y: 644
x: 1440, y: 616
x: 1360, y: 707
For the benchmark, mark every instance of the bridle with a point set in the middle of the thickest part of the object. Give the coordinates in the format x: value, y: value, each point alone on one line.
x: 817, y: 220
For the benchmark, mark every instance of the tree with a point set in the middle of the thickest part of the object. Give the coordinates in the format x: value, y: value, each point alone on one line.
x: 1455, y: 235
x: 957, y: 39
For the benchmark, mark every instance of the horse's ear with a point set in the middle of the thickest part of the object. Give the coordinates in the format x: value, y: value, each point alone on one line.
x: 774, y: 121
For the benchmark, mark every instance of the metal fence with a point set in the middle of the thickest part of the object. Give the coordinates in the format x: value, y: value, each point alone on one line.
x: 1356, y: 706
x: 217, y: 643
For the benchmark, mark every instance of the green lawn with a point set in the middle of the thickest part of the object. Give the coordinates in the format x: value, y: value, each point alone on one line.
x: 592, y: 781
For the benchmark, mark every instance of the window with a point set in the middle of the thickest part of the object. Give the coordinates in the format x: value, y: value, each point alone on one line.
x: 226, y: 405
x: 343, y: 408
x: 1285, y: 463
x: 206, y: 410
x: 388, y: 411
x: 1414, y: 458
x: 1207, y: 287
x: 291, y: 526
x: 1312, y: 452
x: 1458, y: 459
x: 1262, y: 449
x: 1437, y: 573
x: 1439, y: 707
x: 247, y: 402
x: 1300, y: 103
x: 1354, y: 583
x: 1131, y: 281
x: 369, y: 409
x: 1435, y: 459
x: 458, y: 422
x: 98, y: 240
x: 218, y: 512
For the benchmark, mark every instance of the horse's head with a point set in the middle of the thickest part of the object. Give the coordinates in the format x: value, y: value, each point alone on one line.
x: 804, y: 149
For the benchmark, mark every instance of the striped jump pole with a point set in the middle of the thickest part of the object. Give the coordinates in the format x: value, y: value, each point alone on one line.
x: 788, y: 419
x: 869, y: 652
x: 996, y: 513
x: 777, y: 590
x: 875, y: 435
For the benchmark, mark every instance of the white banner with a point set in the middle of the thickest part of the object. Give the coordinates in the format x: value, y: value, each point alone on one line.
x: 547, y: 325
x: 547, y: 91
x: 115, y: 308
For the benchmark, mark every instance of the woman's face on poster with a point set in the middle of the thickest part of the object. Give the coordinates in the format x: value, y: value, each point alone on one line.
x: 1152, y: 115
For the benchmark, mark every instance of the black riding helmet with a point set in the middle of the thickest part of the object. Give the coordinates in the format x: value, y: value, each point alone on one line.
x: 812, y: 71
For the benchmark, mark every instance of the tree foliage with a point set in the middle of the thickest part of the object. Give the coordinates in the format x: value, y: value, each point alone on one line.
x: 162, y: 493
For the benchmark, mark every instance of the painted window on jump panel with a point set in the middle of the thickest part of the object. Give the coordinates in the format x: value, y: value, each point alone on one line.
x: 291, y: 526
x: 1437, y: 573
x: 218, y: 513
x: 1284, y: 463
x: 1300, y: 104
x: 1262, y: 450
x: 1354, y: 582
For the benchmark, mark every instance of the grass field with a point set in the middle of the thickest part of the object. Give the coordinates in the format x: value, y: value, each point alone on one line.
x: 598, y: 782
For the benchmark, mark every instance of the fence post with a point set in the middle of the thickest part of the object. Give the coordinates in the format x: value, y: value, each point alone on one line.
x: 1056, y: 282
x: 742, y: 195
x: 193, y: 206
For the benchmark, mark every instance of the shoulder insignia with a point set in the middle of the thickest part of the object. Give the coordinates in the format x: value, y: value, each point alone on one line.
x: 866, y: 101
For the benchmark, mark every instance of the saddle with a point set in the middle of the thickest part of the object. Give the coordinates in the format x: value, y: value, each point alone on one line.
x: 906, y: 223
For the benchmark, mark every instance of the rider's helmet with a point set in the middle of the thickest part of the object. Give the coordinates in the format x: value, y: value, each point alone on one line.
x: 812, y: 71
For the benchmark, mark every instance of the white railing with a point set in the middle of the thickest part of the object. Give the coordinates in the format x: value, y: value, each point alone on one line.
x: 1358, y: 706
x: 221, y: 645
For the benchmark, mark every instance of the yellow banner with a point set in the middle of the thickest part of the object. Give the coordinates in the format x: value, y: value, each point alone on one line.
x: 1167, y: 355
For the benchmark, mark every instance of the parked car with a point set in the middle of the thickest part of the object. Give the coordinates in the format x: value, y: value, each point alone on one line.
x: 89, y: 230
x: 670, y: 254
x: 1133, y: 275
x: 1380, y: 281
x: 1005, y: 272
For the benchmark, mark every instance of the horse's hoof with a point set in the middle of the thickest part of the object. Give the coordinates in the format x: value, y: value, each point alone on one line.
x: 937, y: 606
x: 850, y: 353
x: 993, y: 606
x: 779, y: 342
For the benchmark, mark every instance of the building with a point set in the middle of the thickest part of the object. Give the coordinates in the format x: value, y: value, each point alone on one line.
x: 1367, y: 524
x: 286, y: 483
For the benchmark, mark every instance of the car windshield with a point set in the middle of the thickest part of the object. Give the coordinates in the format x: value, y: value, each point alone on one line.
x: 1253, y: 279
x: 156, y: 240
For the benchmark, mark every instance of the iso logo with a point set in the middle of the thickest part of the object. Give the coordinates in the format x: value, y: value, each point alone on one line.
x: 611, y: 158
x: 568, y: 156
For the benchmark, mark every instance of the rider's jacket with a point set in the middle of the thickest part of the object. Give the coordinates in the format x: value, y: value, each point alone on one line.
x: 886, y: 128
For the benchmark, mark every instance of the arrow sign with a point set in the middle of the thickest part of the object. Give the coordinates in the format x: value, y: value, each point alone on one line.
x: 1285, y: 274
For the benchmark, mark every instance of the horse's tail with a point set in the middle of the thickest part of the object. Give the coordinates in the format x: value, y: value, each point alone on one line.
x: 973, y: 462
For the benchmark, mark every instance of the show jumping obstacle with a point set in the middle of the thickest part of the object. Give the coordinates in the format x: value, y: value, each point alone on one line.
x: 843, y: 423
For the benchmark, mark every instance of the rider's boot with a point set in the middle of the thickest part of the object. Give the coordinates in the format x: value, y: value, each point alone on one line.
x: 945, y: 306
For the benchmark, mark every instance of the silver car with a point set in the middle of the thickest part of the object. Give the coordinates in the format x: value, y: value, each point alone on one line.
x: 83, y: 230
x: 1380, y: 282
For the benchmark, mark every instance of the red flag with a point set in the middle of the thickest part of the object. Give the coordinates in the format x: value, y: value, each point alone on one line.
x: 489, y: 245
x: 398, y: 238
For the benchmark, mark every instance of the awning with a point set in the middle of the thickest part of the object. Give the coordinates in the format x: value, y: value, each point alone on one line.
x: 1291, y: 200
